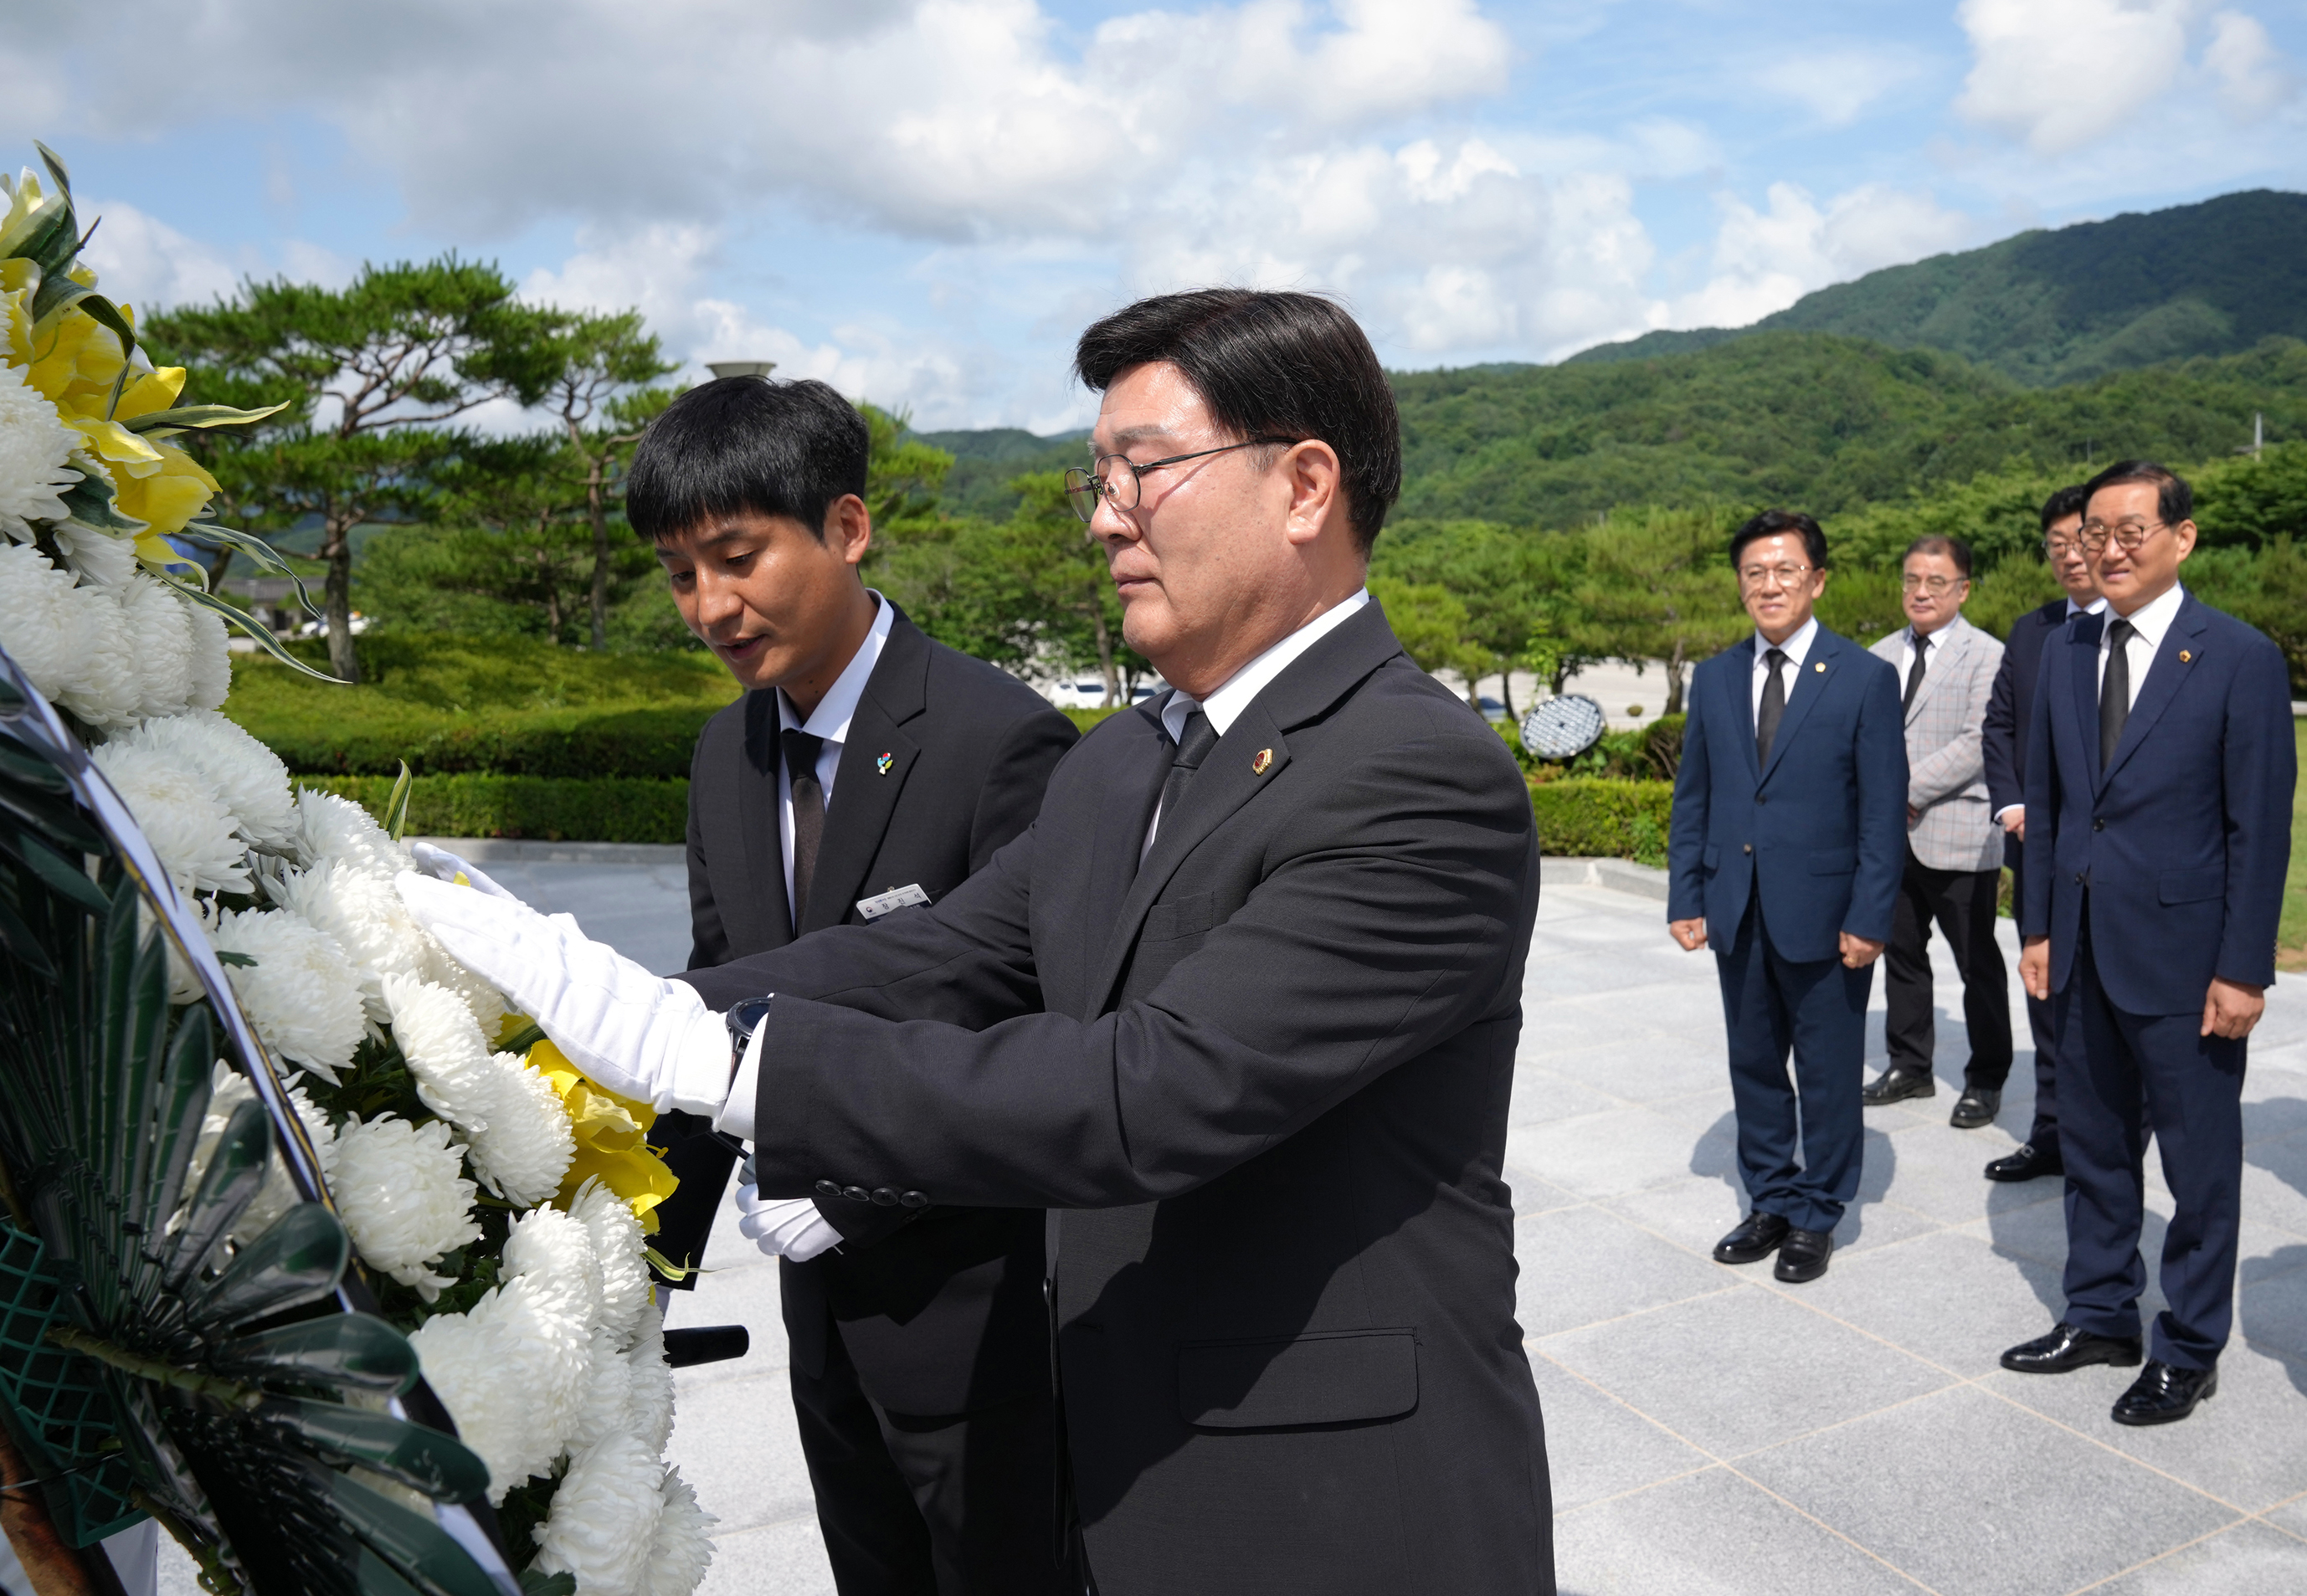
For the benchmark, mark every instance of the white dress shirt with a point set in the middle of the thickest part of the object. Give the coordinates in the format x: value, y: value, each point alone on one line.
x: 2152, y: 623
x: 2073, y: 609
x: 1795, y: 649
x: 1225, y: 704
x: 829, y: 720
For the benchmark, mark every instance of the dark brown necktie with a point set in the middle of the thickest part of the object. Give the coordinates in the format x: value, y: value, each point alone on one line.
x: 1915, y: 676
x: 1773, y: 707
x: 801, y: 751
x: 2115, y: 690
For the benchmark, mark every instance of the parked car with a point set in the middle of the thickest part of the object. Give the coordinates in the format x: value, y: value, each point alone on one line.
x: 1091, y: 694
x: 1492, y: 710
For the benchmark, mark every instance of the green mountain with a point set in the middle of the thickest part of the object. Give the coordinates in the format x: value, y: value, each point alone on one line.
x: 2064, y: 304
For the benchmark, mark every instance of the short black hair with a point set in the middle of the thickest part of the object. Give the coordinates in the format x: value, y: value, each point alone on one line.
x: 1770, y: 523
x: 1932, y: 543
x: 1269, y: 364
x: 741, y: 443
x: 2066, y: 502
x: 2175, y: 501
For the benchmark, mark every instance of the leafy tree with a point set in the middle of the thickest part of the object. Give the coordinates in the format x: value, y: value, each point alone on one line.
x: 370, y: 373
x: 601, y: 365
x: 1660, y: 587
x: 1431, y: 625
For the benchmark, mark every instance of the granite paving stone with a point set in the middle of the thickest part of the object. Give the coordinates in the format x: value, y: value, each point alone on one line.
x: 1710, y: 1534
x: 1586, y: 1265
x: 1597, y: 1446
x: 2251, y: 1559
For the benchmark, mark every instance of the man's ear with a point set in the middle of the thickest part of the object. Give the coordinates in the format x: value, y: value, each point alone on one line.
x: 1317, y: 489
x: 2185, y: 534
x: 849, y: 528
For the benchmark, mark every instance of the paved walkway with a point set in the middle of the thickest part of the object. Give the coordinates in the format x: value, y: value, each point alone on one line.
x: 1710, y: 1430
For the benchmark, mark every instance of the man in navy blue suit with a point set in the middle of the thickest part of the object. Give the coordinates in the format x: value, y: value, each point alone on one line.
x: 1788, y: 842
x: 2010, y: 709
x: 2159, y: 773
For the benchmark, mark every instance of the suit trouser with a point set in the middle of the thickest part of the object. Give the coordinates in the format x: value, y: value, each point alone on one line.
x: 2122, y: 1077
x: 1817, y: 1009
x: 956, y: 1505
x: 1962, y: 903
x: 2042, y: 1024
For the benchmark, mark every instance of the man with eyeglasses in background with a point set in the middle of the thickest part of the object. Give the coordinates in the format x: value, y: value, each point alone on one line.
x: 1783, y: 854
x: 2159, y: 774
x: 2009, y: 710
x: 1954, y: 853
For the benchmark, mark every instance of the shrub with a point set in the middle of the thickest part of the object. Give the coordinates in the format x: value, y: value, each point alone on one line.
x: 1586, y: 817
x: 609, y: 810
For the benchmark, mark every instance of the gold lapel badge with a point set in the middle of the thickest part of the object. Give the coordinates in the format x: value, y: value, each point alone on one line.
x: 2185, y: 657
x: 1820, y: 667
x: 1263, y: 763
x: 881, y: 765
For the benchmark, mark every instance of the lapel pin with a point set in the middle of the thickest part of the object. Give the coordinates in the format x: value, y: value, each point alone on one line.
x: 1820, y: 667
x: 881, y: 765
x: 1263, y: 763
x: 2185, y: 657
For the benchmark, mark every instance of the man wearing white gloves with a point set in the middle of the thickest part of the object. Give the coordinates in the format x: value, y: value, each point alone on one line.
x: 864, y: 763
x: 1241, y: 1008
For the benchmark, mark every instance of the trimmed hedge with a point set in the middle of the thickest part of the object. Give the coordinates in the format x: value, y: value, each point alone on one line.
x: 1593, y: 817
x: 651, y: 744
x: 548, y: 809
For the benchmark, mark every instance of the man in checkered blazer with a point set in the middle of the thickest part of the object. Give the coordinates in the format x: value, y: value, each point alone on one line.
x: 1954, y: 851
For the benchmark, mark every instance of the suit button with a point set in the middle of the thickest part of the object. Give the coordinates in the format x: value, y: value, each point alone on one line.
x: 1759, y: 798
x: 2098, y: 824
x: 829, y: 1188
x: 857, y: 1193
x: 2079, y: 878
x: 884, y: 1197
x: 1747, y: 848
x: 914, y: 1199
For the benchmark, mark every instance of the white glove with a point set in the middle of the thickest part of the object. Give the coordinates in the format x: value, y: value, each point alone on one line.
x: 442, y: 865
x: 784, y: 1227
x: 628, y: 1029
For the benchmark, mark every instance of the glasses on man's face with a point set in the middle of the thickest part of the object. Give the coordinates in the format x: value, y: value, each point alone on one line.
x: 1932, y: 585
x: 2061, y: 548
x: 1751, y: 577
x: 2126, y: 535
x: 1114, y: 477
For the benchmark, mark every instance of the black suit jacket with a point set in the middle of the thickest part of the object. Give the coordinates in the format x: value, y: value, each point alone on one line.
x: 942, y: 1313
x: 2010, y: 707
x: 1266, y: 1073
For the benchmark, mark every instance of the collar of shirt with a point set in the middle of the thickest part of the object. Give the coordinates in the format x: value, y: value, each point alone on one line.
x: 2150, y: 620
x: 831, y: 717
x: 1795, y: 648
x: 1224, y: 706
x: 2096, y: 607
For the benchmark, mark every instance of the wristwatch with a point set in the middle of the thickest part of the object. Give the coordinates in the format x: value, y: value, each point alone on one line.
x: 743, y: 1019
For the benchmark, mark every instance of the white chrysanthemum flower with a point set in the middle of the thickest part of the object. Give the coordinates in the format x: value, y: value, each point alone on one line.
x: 180, y: 815
x: 455, y: 1076
x: 604, y: 1518
x: 487, y: 1004
x: 523, y: 1152
x: 152, y: 618
x: 474, y: 1365
x: 246, y: 775
x: 34, y: 446
x: 683, y: 1549
x: 98, y: 557
x: 548, y: 1245
x: 366, y: 915
x: 652, y: 1377
x: 618, y: 1247
x: 67, y: 639
x: 401, y: 1190
x: 337, y: 830
x: 301, y: 994
x: 211, y: 659
x: 606, y: 1406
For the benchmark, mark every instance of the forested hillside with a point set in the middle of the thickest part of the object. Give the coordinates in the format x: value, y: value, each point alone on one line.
x: 2065, y: 305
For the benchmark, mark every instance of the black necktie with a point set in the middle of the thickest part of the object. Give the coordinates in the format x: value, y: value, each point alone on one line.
x: 1915, y: 676
x: 1773, y: 707
x: 2115, y: 690
x: 808, y: 813
x: 1193, y: 748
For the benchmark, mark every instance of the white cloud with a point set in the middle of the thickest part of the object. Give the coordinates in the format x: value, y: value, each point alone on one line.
x: 150, y: 264
x: 1838, y: 85
x: 1766, y: 260
x: 2062, y: 74
x: 2251, y: 74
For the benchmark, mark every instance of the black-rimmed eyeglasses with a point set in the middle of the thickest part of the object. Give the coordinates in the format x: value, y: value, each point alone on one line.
x: 1115, y: 476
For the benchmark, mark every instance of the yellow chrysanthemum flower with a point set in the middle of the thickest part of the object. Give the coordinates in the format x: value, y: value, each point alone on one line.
x: 76, y: 364
x: 610, y: 1139
x: 20, y: 280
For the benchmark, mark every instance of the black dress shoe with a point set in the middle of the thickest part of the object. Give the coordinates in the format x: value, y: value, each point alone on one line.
x: 2164, y: 1394
x: 1803, y: 1256
x: 1976, y: 1107
x: 1757, y: 1237
x: 2030, y: 1162
x: 1892, y: 1084
x: 2068, y: 1348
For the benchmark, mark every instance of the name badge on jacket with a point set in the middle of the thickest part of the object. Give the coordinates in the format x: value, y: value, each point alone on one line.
x: 897, y: 897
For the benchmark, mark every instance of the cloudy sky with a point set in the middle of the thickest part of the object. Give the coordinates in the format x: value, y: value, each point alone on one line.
x: 923, y: 201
